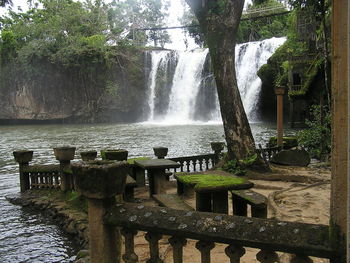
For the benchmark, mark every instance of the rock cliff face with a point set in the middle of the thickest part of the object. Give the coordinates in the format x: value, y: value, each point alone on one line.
x: 91, y: 92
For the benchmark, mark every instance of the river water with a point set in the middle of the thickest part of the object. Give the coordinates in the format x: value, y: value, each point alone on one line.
x: 25, y: 235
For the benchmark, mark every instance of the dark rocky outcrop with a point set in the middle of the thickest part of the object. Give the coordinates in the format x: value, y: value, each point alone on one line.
x: 97, y: 89
x: 294, y: 157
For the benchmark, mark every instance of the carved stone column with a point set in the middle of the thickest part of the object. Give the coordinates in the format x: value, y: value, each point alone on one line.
x: 100, y: 182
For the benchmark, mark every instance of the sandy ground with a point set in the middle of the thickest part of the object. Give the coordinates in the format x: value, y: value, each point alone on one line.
x: 295, y: 194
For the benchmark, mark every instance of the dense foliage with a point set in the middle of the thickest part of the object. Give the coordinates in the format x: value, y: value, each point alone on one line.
x: 253, y: 29
x: 318, y: 131
x: 60, y: 30
x: 260, y: 28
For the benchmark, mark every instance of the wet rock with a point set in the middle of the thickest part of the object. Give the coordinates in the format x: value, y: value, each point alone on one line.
x: 294, y: 157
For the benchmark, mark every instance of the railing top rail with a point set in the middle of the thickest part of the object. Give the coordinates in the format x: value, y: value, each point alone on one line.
x: 297, y: 238
x: 42, y: 168
x: 208, y: 155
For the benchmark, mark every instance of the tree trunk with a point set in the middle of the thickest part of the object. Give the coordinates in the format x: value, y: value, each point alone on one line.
x: 219, y: 21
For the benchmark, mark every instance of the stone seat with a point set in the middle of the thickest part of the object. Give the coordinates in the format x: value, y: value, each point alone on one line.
x: 129, y: 189
x: 172, y: 201
x: 257, y: 202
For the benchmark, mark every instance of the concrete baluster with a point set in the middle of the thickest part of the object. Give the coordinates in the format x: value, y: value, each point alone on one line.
x: 267, y: 256
x: 130, y: 255
x: 205, y: 248
x: 153, y: 239
x: 177, y: 243
x: 235, y: 253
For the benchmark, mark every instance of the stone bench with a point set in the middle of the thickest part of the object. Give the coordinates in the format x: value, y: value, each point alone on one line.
x: 257, y: 202
x: 129, y: 189
x: 172, y: 201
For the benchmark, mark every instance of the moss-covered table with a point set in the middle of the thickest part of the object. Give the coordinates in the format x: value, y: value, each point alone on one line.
x: 212, y: 189
x: 156, y: 173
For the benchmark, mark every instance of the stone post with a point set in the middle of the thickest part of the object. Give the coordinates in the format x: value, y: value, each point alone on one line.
x: 100, y: 182
x: 279, y: 91
x: 64, y: 155
x: 88, y: 156
x: 160, y: 152
x: 217, y: 147
x: 340, y: 128
x: 115, y: 154
x: 23, y: 158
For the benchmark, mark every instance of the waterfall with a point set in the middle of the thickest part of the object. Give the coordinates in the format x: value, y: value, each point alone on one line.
x: 159, y: 65
x: 185, y: 86
x: 182, y: 87
x: 249, y: 58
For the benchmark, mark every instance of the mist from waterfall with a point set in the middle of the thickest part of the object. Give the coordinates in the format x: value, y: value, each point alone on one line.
x: 182, y: 88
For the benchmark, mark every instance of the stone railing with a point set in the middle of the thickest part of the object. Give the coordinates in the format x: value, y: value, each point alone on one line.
x: 200, y: 162
x: 270, y: 236
x: 267, y: 235
x: 43, y: 176
x: 60, y: 176
x: 195, y: 163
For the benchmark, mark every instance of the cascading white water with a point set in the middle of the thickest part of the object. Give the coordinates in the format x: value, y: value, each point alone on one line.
x: 159, y: 59
x: 189, y: 77
x: 185, y: 86
x: 249, y: 58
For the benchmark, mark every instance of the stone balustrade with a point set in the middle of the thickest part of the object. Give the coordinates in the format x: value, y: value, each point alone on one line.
x: 101, y: 181
x: 60, y: 176
x: 302, y: 240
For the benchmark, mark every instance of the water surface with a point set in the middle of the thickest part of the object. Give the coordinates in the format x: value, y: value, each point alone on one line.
x: 26, y: 236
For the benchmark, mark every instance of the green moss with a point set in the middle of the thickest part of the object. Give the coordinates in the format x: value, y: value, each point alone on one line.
x: 132, y: 160
x: 233, y: 167
x: 210, y: 180
x: 68, y: 171
x: 103, y: 154
x: 75, y: 200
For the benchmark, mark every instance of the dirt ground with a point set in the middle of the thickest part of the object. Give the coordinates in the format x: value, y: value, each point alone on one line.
x: 295, y: 194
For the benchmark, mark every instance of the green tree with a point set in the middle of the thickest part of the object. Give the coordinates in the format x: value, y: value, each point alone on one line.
x: 219, y: 22
x: 5, y: 2
x: 260, y: 28
x: 127, y: 17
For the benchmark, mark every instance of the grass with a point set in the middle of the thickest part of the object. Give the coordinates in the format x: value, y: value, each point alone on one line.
x: 210, y: 180
x: 132, y: 160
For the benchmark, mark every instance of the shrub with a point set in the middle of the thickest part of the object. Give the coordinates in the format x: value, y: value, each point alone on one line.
x: 318, y: 134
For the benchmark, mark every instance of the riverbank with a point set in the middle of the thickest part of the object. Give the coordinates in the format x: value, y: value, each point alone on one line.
x: 65, y: 210
x: 295, y: 194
